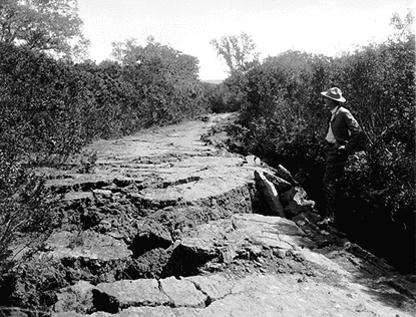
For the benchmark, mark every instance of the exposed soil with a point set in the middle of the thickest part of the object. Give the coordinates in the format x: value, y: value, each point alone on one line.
x: 170, y: 223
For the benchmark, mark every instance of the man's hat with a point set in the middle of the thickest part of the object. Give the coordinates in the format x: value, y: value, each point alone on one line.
x: 334, y: 93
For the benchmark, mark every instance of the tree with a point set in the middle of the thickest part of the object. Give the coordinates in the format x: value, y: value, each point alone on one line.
x: 51, y: 26
x: 161, y: 58
x: 403, y: 27
x: 239, y: 52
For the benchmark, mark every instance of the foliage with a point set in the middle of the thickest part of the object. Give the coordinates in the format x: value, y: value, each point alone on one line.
x: 43, y: 110
x: 403, y: 27
x: 286, y: 122
x: 50, y: 109
x: 239, y: 52
x: 25, y: 209
x: 43, y: 25
x: 166, y: 80
x: 227, y: 96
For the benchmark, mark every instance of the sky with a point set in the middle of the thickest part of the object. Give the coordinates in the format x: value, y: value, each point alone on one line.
x: 327, y: 27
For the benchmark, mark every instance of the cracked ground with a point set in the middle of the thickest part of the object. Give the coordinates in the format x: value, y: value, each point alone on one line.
x: 169, y: 224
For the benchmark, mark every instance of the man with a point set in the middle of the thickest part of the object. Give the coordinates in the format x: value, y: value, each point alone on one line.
x: 342, y: 139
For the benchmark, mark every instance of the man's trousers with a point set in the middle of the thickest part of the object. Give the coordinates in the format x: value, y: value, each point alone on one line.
x: 333, y: 177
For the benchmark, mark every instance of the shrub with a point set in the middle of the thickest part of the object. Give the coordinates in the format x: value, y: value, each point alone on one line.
x: 26, y: 216
x: 286, y: 123
x: 50, y: 108
x: 42, y: 110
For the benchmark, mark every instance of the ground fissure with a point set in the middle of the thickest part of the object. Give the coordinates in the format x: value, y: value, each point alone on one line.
x: 167, y: 224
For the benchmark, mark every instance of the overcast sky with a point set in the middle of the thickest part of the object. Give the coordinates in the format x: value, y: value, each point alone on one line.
x: 316, y: 26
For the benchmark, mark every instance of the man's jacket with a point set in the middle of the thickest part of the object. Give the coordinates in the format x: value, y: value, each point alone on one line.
x: 347, y: 131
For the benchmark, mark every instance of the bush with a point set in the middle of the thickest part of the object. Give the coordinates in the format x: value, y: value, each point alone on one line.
x: 165, y: 82
x: 286, y: 123
x: 26, y: 216
x: 50, y: 109
x: 42, y: 111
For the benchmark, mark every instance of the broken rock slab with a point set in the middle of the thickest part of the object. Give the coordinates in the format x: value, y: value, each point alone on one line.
x: 254, y: 222
x: 116, y: 296
x: 158, y: 311
x: 284, y: 173
x: 270, y: 193
x: 86, y: 244
x: 214, y: 286
x: 271, y: 295
x: 295, y: 201
x: 125, y: 293
x: 226, y: 239
x: 183, y: 292
x: 281, y: 184
x: 198, y: 246
x: 88, y: 255
x: 151, y: 234
x: 269, y: 232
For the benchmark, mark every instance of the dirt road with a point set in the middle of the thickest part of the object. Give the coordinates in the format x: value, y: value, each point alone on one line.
x: 167, y: 225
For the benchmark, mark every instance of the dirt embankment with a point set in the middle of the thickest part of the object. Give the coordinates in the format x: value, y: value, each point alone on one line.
x: 172, y: 224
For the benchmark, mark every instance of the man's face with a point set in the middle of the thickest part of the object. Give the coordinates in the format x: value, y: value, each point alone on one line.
x: 330, y: 104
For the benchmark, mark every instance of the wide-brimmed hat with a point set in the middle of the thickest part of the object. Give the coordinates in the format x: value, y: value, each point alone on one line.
x: 334, y: 93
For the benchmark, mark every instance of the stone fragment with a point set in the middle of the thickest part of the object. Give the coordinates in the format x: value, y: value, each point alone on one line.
x: 254, y: 250
x: 103, y: 192
x: 159, y: 311
x: 295, y: 201
x: 78, y: 196
x: 104, y: 225
x: 270, y: 193
x: 284, y: 173
x: 151, y: 235
x: 202, y: 240
x: 228, y: 253
x: 256, y: 222
x: 252, y: 160
x: 281, y: 184
x: 183, y: 292
x: 241, y: 305
x: 280, y: 253
x: 271, y: 240
x: 142, y: 292
x: 227, y: 239
x: 214, y: 286
x: 88, y: 255
x: 88, y: 245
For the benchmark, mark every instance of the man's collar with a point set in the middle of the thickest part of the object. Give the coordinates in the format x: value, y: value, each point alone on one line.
x: 335, y: 109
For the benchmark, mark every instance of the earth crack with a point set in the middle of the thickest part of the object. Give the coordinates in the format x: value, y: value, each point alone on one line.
x: 181, y: 181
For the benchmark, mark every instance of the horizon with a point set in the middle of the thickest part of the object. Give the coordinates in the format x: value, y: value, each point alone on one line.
x: 323, y: 27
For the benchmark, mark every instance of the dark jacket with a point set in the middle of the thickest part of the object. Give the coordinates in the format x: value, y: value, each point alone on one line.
x: 347, y: 131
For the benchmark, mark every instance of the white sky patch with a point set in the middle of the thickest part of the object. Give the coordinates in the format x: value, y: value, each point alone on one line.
x: 321, y: 26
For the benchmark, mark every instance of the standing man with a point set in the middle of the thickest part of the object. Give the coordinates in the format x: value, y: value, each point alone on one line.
x: 342, y: 139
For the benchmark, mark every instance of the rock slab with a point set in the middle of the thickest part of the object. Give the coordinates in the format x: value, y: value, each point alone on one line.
x: 143, y: 292
x: 183, y: 293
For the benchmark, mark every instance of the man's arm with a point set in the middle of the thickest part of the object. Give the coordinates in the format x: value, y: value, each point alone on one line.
x: 357, y: 135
